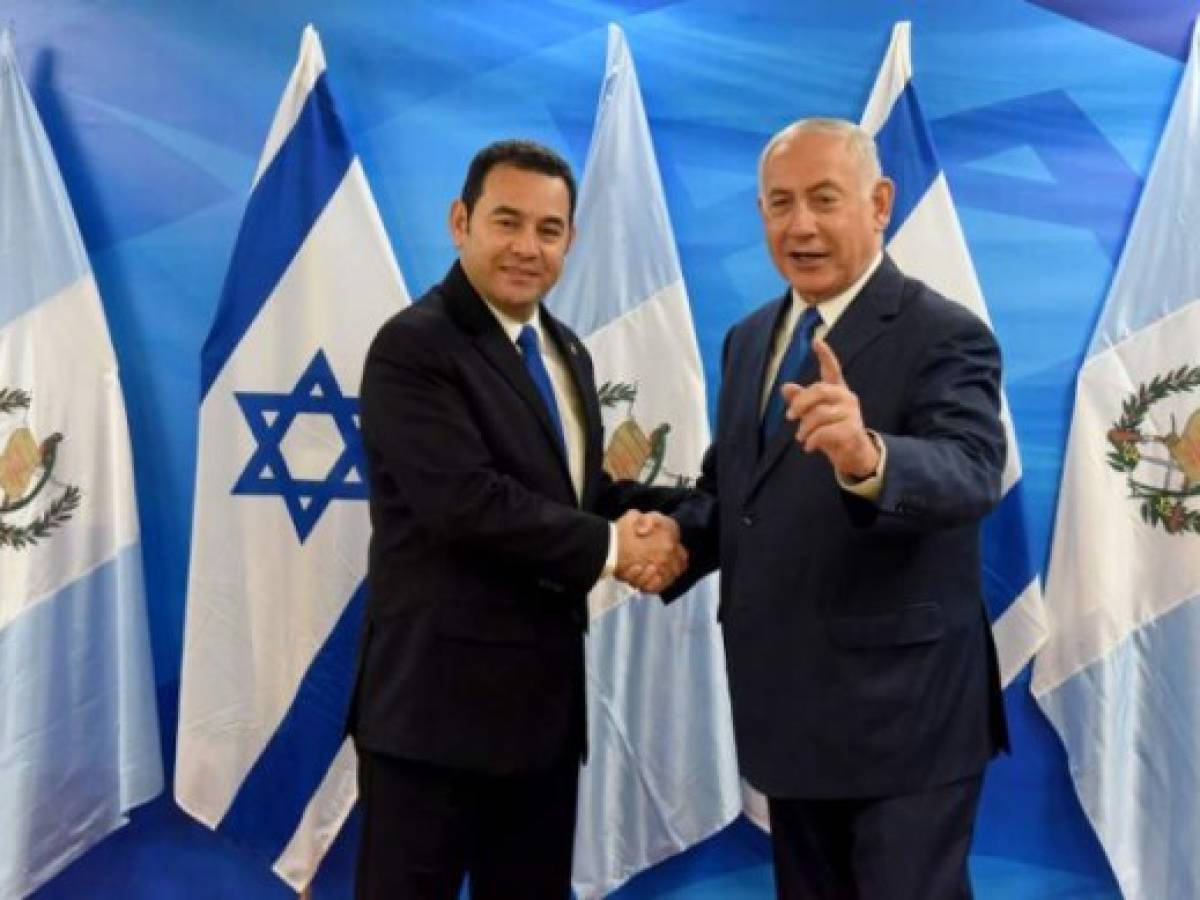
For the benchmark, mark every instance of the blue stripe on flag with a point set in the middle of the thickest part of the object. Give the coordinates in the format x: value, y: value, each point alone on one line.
x: 1007, y: 565
x: 292, y: 193
x: 79, y: 722
x: 906, y: 155
x: 268, y: 806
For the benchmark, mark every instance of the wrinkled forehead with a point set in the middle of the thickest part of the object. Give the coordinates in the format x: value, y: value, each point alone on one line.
x: 808, y: 160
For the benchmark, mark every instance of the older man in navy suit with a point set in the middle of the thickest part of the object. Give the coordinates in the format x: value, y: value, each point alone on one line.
x: 858, y: 447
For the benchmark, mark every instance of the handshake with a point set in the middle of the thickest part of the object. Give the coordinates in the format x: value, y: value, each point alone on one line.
x: 650, y: 555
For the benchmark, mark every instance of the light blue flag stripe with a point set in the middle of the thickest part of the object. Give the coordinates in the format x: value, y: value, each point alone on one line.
x: 632, y: 230
x: 40, y: 249
x: 1129, y: 723
x: 292, y: 193
x: 86, y: 719
x: 907, y: 155
x: 275, y: 792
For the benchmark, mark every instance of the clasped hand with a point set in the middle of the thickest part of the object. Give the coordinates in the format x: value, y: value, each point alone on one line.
x: 649, y: 553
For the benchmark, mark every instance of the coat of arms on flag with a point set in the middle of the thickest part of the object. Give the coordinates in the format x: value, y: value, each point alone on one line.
x: 632, y: 452
x: 1162, y: 469
x: 33, y: 503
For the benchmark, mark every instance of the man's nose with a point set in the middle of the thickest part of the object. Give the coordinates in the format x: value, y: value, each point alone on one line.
x: 801, y: 221
x: 524, y: 242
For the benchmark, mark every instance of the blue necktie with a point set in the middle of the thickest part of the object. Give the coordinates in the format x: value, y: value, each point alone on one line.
x: 789, y: 369
x: 527, y: 340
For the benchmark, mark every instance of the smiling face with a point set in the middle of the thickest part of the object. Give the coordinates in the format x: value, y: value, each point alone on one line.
x: 512, y: 242
x: 823, y: 212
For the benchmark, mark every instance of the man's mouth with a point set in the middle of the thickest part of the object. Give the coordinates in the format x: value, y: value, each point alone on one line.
x: 807, y: 257
x: 520, y: 274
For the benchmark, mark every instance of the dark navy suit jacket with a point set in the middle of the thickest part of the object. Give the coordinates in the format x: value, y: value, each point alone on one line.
x: 481, y: 556
x: 860, y: 659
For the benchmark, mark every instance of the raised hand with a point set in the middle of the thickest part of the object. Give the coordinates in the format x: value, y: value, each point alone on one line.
x: 649, y: 553
x: 830, y: 418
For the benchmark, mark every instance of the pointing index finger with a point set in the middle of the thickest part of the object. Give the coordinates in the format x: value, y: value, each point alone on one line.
x: 831, y: 369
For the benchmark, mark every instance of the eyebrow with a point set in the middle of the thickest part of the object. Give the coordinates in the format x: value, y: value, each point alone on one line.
x: 826, y: 185
x: 503, y: 210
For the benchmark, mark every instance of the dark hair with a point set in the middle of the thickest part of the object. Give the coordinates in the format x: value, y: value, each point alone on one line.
x: 526, y: 155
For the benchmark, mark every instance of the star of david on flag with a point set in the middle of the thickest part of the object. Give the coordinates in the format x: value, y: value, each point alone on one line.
x: 273, y: 416
x: 272, y: 621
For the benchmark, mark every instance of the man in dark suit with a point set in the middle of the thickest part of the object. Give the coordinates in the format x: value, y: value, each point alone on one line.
x: 842, y: 499
x: 491, y: 522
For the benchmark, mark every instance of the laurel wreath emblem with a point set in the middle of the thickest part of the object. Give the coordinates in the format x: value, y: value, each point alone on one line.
x: 1163, y: 506
x: 13, y: 399
x: 632, y: 453
x: 60, y: 509
x: 54, y: 515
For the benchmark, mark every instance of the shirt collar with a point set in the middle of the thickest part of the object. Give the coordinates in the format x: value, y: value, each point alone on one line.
x: 512, y: 327
x: 831, y: 310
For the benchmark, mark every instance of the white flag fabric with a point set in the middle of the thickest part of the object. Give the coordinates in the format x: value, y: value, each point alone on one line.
x: 926, y: 241
x: 1119, y: 675
x: 280, y: 532
x: 79, y: 741
x: 661, y: 772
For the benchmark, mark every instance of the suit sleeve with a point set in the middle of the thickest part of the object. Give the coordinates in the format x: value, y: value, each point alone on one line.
x: 418, y: 425
x: 699, y: 515
x: 944, y: 468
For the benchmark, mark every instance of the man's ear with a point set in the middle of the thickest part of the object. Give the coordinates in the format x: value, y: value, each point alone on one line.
x: 883, y: 195
x: 460, y: 222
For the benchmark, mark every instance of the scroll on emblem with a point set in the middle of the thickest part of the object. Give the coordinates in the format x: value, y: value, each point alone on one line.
x: 27, y: 472
x: 1185, y: 450
x: 20, y: 461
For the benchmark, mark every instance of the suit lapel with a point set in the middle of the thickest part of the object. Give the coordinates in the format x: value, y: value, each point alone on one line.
x: 472, y: 314
x: 864, y: 320
x: 749, y: 367
x: 573, y: 354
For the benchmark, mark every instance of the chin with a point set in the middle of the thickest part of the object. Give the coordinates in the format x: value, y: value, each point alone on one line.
x: 814, y: 290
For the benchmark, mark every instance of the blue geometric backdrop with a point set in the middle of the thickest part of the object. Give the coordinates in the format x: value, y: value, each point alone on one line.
x: 1046, y: 115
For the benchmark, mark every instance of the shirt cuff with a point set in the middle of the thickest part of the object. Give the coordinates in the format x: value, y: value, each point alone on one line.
x: 871, y: 487
x: 610, y: 561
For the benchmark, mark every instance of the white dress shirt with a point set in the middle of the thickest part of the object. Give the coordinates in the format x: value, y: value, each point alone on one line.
x: 830, y: 311
x: 570, y: 408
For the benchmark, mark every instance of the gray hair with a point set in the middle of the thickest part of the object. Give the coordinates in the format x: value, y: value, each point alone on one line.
x: 860, y: 144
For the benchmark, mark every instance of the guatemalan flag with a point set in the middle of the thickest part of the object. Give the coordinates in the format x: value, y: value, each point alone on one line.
x: 926, y: 241
x: 661, y: 772
x: 276, y: 583
x: 78, y: 727
x: 1119, y: 674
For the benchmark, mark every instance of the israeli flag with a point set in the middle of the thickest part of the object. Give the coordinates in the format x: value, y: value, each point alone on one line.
x: 926, y: 241
x: 1119, y: 674
x: 78, y: 727
x: 661, y: 772
x: 276, y: 583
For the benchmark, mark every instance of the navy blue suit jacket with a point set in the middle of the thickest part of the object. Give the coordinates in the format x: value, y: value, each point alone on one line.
x: 481, y: 556
x: 860, y: 659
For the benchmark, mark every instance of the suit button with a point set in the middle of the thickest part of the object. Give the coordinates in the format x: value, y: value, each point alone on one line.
x: 748, y: 519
